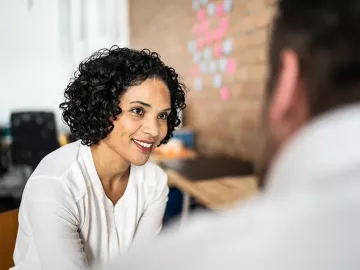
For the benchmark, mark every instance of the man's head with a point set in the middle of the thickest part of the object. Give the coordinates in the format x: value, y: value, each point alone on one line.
x: 314, y: 66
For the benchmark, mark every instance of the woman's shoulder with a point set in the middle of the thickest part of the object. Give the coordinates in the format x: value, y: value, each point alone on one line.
x: 54, y: 174
x: 58, y: 161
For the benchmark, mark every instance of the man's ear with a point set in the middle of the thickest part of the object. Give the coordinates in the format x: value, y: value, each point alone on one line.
x: 286, y: 87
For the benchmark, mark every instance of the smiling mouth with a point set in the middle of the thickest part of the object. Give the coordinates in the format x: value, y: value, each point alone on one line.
x: 143, y: 146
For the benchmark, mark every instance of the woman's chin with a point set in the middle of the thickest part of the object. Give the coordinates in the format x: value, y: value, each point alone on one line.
x: 139, y: 161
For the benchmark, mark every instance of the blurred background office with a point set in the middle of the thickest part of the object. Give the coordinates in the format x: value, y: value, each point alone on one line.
x: 218, y: 46
x: 42, y: 42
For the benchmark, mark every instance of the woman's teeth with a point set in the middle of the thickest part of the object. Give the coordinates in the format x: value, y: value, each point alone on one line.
x: 147, y: 145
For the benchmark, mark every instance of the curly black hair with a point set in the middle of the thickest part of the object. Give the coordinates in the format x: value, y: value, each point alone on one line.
x: 92, y: 96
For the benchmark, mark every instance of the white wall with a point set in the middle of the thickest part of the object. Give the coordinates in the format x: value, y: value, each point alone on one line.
x: 38, y: 54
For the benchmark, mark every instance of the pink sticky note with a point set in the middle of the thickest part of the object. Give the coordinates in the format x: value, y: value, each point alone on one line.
x: 201, y: 14
x: 224, y: 23
x: 231, y: 66
x: 218, y: 50
x: 225, y: 93
x: 204, y: 25
x: 210, y: 37
x: 195, y: 71
x: 200, y: 43
x: 219, y: 33
x: 205, y: 41
x: 220, y: 9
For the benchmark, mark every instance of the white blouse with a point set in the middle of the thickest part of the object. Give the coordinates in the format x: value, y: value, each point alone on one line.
x: 67, y: 222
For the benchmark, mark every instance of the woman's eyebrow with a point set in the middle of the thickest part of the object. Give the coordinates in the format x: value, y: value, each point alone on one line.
x: 141, y: 103
x: 147, y: 105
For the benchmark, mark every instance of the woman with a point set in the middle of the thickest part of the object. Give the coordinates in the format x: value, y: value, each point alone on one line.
x: 92, y: 199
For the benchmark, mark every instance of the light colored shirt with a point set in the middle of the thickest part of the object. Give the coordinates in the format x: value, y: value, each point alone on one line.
x: 307, y: 218
x: 67, y: 222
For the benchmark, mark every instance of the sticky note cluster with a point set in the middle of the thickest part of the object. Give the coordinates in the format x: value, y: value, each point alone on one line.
x: 210, y: 47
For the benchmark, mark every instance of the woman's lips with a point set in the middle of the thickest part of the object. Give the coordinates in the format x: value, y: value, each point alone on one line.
x: 145, y: 147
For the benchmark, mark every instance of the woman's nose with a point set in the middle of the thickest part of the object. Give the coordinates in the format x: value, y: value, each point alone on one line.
x: 151, y: 127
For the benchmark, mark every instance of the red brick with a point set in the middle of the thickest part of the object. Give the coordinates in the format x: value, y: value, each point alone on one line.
x: 223, y: 127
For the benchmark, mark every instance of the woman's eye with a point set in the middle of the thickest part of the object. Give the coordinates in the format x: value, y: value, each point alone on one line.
x: 138, y: 111
x: 163, y: 116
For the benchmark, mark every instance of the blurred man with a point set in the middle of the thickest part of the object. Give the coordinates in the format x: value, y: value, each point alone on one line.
x: 309, y: 214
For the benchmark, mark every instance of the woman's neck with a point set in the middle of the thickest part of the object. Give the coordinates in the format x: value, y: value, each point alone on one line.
x: 111, y: 168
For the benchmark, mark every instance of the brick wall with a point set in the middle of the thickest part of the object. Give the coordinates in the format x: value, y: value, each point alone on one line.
x: 222, y: 127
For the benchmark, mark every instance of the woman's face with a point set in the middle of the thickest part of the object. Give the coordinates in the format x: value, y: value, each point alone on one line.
x: 142, y: 124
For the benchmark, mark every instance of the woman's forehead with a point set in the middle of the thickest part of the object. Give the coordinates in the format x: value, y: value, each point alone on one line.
x: 152, y: 91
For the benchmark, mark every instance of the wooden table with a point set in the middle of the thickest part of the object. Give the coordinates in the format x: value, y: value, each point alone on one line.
x: 217, y: 183
x: 217, y: 194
